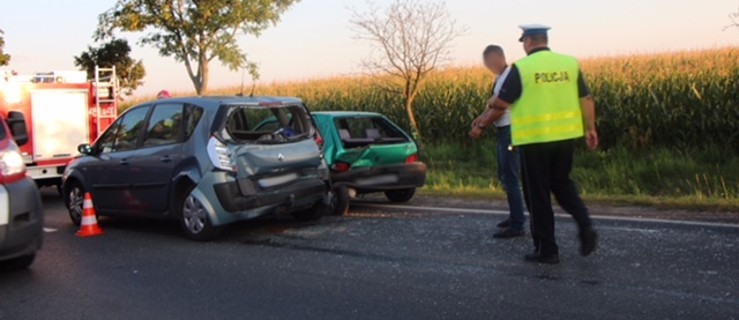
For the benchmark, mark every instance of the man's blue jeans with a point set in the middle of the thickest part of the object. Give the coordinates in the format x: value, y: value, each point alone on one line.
x: 509, y: 170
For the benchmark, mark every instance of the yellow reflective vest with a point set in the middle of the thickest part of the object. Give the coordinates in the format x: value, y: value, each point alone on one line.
x: 549, y: 107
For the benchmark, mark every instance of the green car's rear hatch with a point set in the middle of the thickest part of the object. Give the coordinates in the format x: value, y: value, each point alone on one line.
x: 368, y: 141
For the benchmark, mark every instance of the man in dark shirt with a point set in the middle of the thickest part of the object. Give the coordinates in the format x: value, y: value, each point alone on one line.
x: 545, y: 126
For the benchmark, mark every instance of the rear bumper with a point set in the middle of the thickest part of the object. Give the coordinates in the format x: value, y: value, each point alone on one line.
x: 21, y: 233
x: 381, y: 178
x: 46, y: 173
x: 235, y: 197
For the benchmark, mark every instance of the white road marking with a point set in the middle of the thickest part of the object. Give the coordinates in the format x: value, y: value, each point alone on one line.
x: 559, y: 215
x: 50, y: 230
x: 630, y: 229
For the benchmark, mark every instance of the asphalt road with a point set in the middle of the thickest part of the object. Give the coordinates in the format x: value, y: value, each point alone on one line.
x: 374, y: 264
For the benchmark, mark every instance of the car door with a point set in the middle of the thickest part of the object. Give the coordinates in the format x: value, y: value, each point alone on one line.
x: 111, y: 174
x: 161, y: 152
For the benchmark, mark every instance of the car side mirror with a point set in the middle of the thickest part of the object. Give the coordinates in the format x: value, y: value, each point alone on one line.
x: 17, y: 124
x: 85, y: 149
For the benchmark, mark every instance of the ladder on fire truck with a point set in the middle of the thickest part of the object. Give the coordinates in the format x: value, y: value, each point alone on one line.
x: 106, y: 93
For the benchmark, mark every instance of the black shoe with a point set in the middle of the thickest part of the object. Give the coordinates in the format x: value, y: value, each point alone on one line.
x: 537, y: 258
x: 509, y: 233
x: 504, y: 224
x: 588, y: 242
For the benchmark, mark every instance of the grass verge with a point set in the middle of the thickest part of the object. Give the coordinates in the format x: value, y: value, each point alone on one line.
x: 706, y: 179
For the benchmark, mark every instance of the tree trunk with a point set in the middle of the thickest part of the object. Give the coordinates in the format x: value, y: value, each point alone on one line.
x: 414, y: 123
x: 201, y: 83
x: 204, y: 77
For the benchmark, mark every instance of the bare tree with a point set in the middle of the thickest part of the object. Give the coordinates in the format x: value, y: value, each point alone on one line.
x: 410, y: 38
x: 734, y: 17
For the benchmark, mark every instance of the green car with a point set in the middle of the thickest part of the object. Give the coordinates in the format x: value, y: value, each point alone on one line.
x: 368, y: 153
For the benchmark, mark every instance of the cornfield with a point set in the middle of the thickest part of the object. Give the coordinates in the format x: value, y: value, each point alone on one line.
x: 676, y: 100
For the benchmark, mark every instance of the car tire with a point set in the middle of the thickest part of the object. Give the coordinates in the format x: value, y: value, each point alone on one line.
x: 74, y: 200
x: 194, y: 219
x: 19, y: 263
x: 400, y: 195
x: 341, y: 201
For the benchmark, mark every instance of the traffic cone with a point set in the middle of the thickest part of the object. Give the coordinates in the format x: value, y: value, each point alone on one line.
x: 89, y: 225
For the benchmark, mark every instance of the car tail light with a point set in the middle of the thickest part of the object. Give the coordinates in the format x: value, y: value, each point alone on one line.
x: 341, y: 167
x: 12, y: 168
x: 319, y: 140
x: 220, y: 155
x: 413, y: 158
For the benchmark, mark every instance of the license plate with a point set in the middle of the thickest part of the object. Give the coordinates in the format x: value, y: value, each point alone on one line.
x: 276, y: 181
x: 383, y: 179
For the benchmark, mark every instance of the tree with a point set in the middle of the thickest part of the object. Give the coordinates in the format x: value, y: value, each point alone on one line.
x: 410, y: 39
x: 195, y: 32
x: 115, y: 53
x: 734, y: 17
x: 4, y: 57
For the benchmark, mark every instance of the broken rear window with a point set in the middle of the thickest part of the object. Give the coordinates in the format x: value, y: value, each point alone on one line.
x: 273, y: 125
x: 361, y: 132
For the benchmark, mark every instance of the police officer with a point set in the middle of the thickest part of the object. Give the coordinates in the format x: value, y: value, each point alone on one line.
x: 551, y: 108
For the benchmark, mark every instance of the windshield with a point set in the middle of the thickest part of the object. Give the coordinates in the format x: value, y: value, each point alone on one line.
x: 272, y: 125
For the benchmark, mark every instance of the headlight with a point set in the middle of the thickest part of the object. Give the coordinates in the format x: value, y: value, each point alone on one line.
x: 11, y: 162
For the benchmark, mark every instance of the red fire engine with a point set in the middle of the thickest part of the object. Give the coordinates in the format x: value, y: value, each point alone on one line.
x: 62, y: 110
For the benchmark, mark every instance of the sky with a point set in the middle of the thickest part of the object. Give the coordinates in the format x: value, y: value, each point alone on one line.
x: 314, y: 38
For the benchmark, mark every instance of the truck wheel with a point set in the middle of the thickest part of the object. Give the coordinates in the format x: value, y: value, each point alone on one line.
x: 194, y: 219
x: 341, y: 201
x: 18, y: 263
x: 401, y: 195
x: 74, y: 199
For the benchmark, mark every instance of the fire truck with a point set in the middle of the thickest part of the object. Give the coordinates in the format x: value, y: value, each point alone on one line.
x: 63, y: 109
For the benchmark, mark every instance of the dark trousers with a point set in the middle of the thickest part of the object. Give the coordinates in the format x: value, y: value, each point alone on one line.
x: 546, y: 171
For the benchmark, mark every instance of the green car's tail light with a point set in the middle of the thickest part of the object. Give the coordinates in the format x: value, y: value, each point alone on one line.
x: 220, y: 155
x: 413, y: 158
x: 12, y: 168
x: 341, y: 167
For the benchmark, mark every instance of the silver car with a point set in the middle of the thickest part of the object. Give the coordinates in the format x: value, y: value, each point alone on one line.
x: 21, y: 213
x: 205, y: 162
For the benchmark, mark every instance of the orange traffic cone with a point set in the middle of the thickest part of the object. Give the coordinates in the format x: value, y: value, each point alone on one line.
x: 89, y: 226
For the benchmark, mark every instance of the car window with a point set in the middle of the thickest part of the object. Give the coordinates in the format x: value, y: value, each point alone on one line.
x: 123, y: 133
x: 363, y: 131
x: 164, y: 126
x: 272, y: 125
x: 192, y: 116
x: 2, y: 130
x: 107, y: 140
x: 128, y: 131
x: 268, y: 125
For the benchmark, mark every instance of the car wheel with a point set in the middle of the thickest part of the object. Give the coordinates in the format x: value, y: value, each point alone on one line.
x: 341, y: 200
x: 401, y: 195
x: 194, y: 219
x: 19, y: 263
x: 74, y: 199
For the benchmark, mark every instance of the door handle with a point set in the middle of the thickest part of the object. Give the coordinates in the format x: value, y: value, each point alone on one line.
x: 123, y: 162
x: 166, y: 159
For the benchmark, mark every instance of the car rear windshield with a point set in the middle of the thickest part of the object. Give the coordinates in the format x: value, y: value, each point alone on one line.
x: 364, y: 131
x: 268, y: 125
